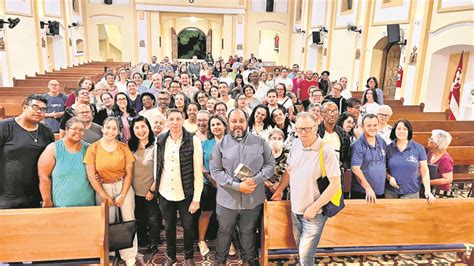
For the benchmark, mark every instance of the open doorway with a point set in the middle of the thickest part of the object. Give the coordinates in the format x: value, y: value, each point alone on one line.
x: 110, y: 42
x: 191, y: 42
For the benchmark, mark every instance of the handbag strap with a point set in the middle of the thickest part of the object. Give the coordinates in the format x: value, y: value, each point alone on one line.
x: 118, y: 215
x: 154, y: 158
x: 336, y: 199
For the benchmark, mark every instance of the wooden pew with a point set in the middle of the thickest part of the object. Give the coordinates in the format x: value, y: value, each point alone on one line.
x: 448, y: 125
x: 387, y: 227
x: 428, y: 116
x: 2, y: 112
x: 54, y: 234
x: 70, y: 83
x: 408, y: 108
x: 458, y: 138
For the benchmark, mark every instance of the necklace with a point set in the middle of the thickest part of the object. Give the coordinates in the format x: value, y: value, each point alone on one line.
x: 27, y: 131
x: 35, y: 139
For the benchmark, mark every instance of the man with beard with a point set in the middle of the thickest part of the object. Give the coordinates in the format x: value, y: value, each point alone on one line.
x: 163, y: 99
x: 239, y: 201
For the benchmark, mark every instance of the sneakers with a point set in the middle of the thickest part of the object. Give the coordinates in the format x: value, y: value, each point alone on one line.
x: 203, y: 248
x: 232, y: 250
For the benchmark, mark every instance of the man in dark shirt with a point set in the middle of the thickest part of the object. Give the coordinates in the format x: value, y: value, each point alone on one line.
x: 22, y: 140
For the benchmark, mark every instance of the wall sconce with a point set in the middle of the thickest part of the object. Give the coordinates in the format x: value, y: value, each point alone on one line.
x: 53, y: 27
x: 323, y: 29
x: 11, y: 21
x: 74, y: 24
x: 353, y: 28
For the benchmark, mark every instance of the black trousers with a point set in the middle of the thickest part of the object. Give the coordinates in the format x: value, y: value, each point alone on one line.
x: 148, y: 216
x: 169, y: 209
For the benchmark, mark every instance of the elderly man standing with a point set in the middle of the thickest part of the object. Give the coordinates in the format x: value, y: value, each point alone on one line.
x: 239, y: 201
x: 56, y: 106
x: 306, y: 199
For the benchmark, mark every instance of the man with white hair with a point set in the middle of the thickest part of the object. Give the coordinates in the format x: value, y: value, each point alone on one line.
x: 383, y: 114
x: 307, y: 200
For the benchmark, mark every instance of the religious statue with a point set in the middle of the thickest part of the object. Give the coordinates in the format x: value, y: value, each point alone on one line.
x: 276, y: 42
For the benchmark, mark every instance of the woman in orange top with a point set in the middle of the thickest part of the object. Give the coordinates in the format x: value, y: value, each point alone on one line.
x: 109, y: 165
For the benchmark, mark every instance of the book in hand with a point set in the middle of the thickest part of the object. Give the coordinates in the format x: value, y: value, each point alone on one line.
x: 433, y: 168
x: 243, y: 171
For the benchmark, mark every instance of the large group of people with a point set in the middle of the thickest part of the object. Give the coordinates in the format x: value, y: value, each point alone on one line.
x: 209, y: 137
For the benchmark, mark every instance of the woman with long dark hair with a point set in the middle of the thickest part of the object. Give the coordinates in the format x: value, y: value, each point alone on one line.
x: 147, y: 212
x: 280, y: 119
x: 124, y: 112
x: 217, y: 128
x: 260, y: 121
x: 372, y: 83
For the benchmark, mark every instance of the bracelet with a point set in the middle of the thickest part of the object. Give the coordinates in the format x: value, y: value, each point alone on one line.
x: 151, y: 191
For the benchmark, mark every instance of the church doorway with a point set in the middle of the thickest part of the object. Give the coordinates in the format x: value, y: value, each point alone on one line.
x: 191, y: 41
x: 385, y: 61
x: 390, y: 62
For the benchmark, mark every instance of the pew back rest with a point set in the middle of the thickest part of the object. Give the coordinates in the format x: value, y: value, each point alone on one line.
x: 54, y: 234
x: 458, y: 138
x: 448, y: 125
x: 461, y: 155
x: 386, y: 223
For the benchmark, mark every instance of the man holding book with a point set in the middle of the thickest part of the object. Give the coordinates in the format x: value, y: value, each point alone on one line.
x: 240, y: 194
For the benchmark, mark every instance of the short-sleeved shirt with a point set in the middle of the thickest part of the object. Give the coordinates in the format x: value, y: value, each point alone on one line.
x: 372, y: 162
x: 404, y: 166
x: 109, y: 165
x: 207, y: 148
x: 445, y: 165
x: 304, y: 170
x: 92, y: 134
x: 19, y: 153
x: 55, y: 104
x: 143, y: 167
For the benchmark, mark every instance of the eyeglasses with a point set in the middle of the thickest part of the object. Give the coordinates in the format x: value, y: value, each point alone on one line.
x: 121, y: 99
x: 55, y: 85
x: 163, y: 99
x: 36, y: 108
x: 307, y: 130
x: 383, y: 115
x: 331, y: 112
x: 355, y: 107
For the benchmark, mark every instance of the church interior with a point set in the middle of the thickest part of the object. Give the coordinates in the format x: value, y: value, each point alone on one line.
x: 418, y: 50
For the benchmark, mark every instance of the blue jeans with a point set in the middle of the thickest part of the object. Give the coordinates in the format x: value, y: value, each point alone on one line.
x: 307, y: 234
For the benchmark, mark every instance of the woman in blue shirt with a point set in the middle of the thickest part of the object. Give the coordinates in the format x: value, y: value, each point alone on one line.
x: 217, y: 128
x: 406, y: 162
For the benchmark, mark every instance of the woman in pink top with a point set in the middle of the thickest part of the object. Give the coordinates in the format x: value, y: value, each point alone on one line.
x: 437, y: 144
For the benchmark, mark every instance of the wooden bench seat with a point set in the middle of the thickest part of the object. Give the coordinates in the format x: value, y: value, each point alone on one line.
x: 387, y: 227
x: 458, y: 138
x: 425, y: 116
x: 54, y: 234
x: 448, y: 125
